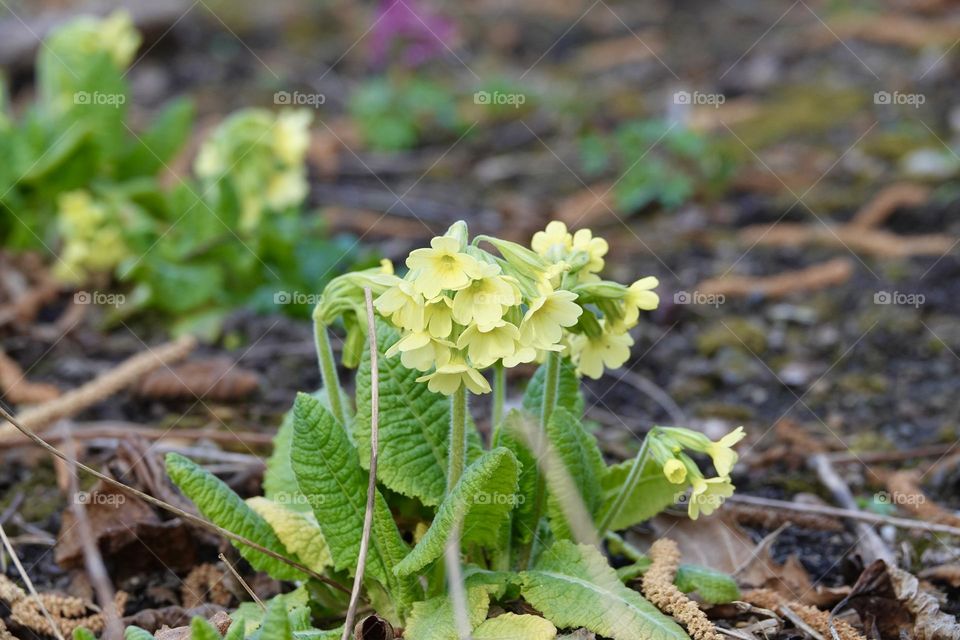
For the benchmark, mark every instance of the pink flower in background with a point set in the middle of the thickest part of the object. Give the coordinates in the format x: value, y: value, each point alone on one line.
x: 408, y: 31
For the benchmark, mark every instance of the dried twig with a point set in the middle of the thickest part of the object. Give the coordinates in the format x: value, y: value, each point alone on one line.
x: 819, y: 276
x: 26, y: 580
x: 875, y: 242
x: 372, y: 478
x: 243, y: 583
x: 870, y: 543
x: 16, y: 389
x: 167, y: 506
x: 901, y: 194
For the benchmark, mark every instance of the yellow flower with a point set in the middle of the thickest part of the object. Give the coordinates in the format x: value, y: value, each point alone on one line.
x: 707, y: 495
x: 596, y: 248
x: 639, y: 297
x: 448, y: 378
x: 291, y: 136
x: 543, y: 323
x: 521, y: 355
x: 554, y: 242
x: 438, y: 317
x: 285, y: 189
x: 402, y: 305
x: 485, y: 300
x: 721, y: 452
x: 442, y: 266
x: 486, y: 347
x: 419, y: 351
x: 119, y: 37
x: 386, y: 267
x: 608, y: 350
x: 675, y: 471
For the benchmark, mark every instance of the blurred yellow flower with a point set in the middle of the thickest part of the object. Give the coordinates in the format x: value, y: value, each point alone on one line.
x: 485, y: 300
x: 639, y: 297
x: 722, y: 453
x: 448, y: 378
x: 546, y: 317
x: 291, y: 136
x: 675, y: 471
x: 608, y: 350
x: 486, y: 347
x: 554, y: 242
x: 595, y: 248
x: 421, y: 352
x: 442, y: 266
x: 707, y: 495
x: 403, y: 305
x: 119, y: 37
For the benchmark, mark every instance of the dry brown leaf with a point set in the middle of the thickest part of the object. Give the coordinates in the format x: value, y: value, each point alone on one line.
x: 819, y: 276
x: 217, y: 379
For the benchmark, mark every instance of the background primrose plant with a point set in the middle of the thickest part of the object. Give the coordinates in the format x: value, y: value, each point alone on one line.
x: 519, y: 518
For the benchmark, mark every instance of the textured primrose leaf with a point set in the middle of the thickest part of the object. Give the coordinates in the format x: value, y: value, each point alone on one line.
x: 329, y: 473
x: 200, y: 629
x: 580, y: 456
x: 482, y: 501
x: 276, y: 622
x: 298, y: 531
x: 714, y: 587
x: 509, y: 434
x: 569, y: 396
x: 82, y: 633
x: 236, y: 630
x: 279, y: 480
x: 433, y: 619
x: 573, y: 586
x: 652, y: 494
x: 134, y: 633
x: 510, y: 626
x: 414, y: 426
x: 218, y: 503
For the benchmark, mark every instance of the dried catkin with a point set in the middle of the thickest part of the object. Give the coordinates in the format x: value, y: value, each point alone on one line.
x: 4, y: 632
x: 817, y: 619
x: 659, y: 588
x: 68, y: 612
x: 10, y: 591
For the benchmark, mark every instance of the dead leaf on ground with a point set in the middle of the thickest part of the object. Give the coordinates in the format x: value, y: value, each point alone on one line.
x: 169, y: 617
x: 889, y: 599
x: 217, y: 379
x: 221, y: 620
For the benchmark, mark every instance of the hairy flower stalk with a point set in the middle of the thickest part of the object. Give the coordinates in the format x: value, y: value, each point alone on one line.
x: 458, y: 437
x: 328, y: 372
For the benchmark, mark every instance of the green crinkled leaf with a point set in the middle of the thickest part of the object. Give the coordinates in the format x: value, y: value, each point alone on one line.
x: 569, y: 396
x: 276, y: 623
x: 201, y: 629
x: 580, y: 456
x: 136, y: 633
x: 652, y: 494
x: 573, y: 586
x: 433, y: 619
x: 82, y: 633
x: 329, y: 473
x: 298, y: 531
x: 714, y: 587
x: 481, y: 501
x: 509, y: 434
x: 279, y: 481
x: 217, y: 502
x: 510, y: 626
x: 236, y: 630
x: 414, y: 426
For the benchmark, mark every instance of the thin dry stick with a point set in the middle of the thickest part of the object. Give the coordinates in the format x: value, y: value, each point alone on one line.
x: 93, y: 561
x: 167, y: 506
x: 243, y: 583
x: 372, y: 480
x: 107, y: 384
x: 875, y: 518
x: 26, y: 580
x: 455, y: 584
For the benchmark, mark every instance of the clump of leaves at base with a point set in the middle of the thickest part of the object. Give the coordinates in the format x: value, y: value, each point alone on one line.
x: 525, y: 532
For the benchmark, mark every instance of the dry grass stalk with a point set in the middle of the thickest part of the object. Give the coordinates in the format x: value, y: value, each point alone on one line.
x: 815, y: 618
x: 819, y: 276
x: 658, y: 587
x: 16, y: 389
x: 874, y: 242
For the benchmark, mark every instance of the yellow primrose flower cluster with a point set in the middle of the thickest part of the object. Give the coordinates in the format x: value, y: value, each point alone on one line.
x: 93, y: 241
x: 264, y: 154
x: 463, y: 309
x: 668, y: 446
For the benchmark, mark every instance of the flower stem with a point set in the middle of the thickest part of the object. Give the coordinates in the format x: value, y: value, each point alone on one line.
x: 328, y: 372
x: 499, y: 393
x: 551, y: 385
x: 458, y: 437
x: 628, y: 485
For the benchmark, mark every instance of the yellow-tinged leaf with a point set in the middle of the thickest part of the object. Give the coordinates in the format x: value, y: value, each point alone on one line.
x: 511, y: 626
x: 298, y: 531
